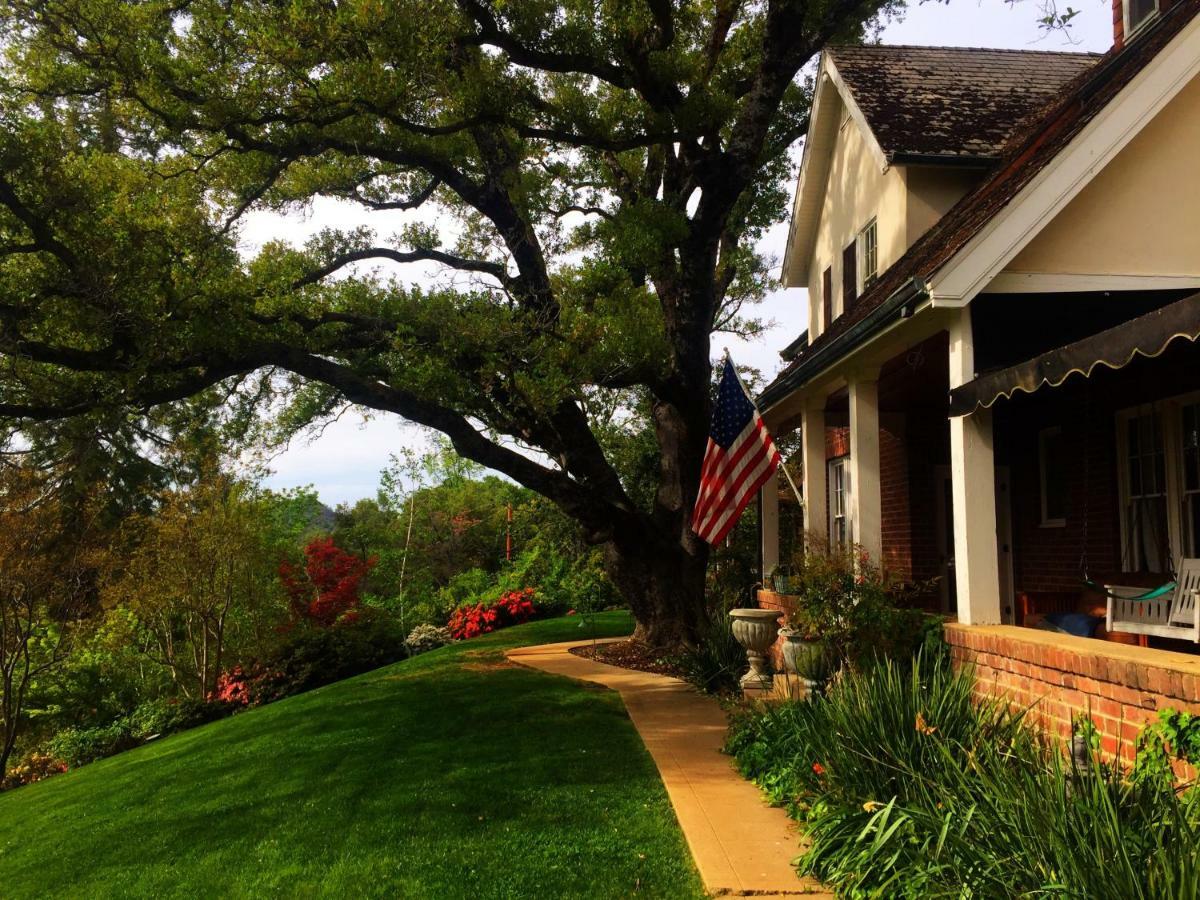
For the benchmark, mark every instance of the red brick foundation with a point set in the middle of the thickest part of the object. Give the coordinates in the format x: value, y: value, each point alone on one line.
x: 785, y: 604
x: 1059, y: 676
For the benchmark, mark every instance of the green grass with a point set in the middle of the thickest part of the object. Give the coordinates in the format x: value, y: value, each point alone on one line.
x: 454, y: 774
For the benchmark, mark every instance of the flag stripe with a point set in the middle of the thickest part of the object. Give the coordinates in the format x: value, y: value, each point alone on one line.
x: 752, y: 489
x: 724, y: 463
x: 735, y: 498
x: 738, y: 460
x: 751, y: 448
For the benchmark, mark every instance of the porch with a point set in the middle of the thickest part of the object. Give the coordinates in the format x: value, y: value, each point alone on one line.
x: 1013, y: 503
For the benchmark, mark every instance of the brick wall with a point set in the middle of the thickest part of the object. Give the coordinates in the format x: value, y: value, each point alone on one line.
x: 1118, y: 13
x: 908, y: 538
x: 785, y: 604
x: 1059, y: 676
x: 837, y: 441
x: 895, y: 508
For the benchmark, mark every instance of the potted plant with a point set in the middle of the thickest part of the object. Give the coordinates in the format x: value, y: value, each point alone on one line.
x: 781, y: 579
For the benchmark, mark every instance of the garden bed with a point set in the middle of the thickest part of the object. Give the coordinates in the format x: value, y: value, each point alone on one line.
x: 630, y: 655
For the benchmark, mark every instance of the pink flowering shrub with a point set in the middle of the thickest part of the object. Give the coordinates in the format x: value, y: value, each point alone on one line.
x: 513, y: 608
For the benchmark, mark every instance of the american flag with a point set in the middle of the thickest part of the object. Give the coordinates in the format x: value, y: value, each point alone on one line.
x: 739, y: 459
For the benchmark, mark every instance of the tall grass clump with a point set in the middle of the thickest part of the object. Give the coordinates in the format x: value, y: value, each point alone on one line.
x: 908, y: 788
x: 716, y: 662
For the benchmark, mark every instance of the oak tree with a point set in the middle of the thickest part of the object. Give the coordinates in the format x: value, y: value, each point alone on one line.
x: 588, y: 181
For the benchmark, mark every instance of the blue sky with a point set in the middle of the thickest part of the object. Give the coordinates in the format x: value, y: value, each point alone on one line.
x: 345, y: 460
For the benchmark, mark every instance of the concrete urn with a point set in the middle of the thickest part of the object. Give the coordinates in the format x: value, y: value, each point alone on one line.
x: 806, y: 659
x: 756, y: 630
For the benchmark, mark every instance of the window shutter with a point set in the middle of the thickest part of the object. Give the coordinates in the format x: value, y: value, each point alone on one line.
x: 827, y: 295
x: 849, y: 276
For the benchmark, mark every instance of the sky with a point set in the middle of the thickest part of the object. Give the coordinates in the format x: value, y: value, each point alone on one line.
x: 344, y: 461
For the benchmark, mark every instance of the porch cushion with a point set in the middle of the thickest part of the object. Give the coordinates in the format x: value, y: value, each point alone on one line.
x: 1076, y: 623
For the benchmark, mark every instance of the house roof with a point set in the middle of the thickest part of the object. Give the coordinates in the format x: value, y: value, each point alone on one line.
x: 1026, y: 153
x: 951, y: 103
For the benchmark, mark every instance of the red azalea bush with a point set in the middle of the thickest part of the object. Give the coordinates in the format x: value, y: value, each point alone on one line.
x: 513, y: 608
x: 326, y: 590
x: 232, y: 688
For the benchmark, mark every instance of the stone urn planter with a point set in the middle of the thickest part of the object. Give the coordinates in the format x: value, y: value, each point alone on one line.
x: 756, y: 630
x: 806, y: 659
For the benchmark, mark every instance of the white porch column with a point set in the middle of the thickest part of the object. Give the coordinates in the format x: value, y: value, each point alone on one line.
x: 769, y: 518
x: 865, y: 504
x: 816, y: 513
x: 973, y: 484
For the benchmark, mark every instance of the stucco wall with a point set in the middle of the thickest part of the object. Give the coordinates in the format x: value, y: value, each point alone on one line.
x: 931, y: 193
x: 856, y: 191
x: 1141, y: 214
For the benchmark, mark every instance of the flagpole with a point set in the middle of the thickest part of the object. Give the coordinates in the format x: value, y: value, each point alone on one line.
x: 782, y: 461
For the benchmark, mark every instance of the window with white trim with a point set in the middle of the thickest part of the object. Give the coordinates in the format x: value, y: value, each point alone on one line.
x: 1138, y: 13
x: 1145, y: 528
x: 839, y: 502
x: 1052, y: 468
x: 868, y: 256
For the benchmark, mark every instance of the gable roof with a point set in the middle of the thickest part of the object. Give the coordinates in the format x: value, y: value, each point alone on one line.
x: 951, y: 103
x: 1030, y: 149
x: 939, y: 105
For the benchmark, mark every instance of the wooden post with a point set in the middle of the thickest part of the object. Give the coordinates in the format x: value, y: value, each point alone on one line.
x: 865, y: 496
x: 769, y: 518
x: 816, y: 511
x: 973, y: 485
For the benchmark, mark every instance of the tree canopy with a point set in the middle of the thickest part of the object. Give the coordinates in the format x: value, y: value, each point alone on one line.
x: 588, y: 180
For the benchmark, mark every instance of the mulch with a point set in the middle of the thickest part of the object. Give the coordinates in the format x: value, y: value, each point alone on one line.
x: 629, y: 655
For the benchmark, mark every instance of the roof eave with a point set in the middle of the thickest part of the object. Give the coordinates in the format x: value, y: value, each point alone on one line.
x: 853, y: 337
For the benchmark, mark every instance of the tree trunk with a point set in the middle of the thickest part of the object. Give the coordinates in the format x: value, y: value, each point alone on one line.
x: 663, y: 581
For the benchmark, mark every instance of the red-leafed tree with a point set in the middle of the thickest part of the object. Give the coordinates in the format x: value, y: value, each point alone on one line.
x: 327, y: 588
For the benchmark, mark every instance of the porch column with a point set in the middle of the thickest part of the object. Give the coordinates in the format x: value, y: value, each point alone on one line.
x: 865, y: 504
x: 973, y: 485
x: 769, y: 516
x: 816, y: 513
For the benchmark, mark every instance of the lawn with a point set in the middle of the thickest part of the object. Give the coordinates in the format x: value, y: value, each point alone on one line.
x: 455, y: 774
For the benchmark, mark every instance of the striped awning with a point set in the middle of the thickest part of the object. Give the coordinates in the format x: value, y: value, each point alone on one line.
x: 1148, y: 335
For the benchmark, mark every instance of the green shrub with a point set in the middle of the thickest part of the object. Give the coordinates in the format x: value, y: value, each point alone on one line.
x: 154, y: 718
x: 80, y: 746
x: 169, y: 715
x: 315, y: 656
x: 716, y: 662
x: 854, y: 608
x: 909, y: 789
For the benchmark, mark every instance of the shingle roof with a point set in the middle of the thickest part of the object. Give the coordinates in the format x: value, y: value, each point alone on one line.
x: 1027, y: 152
x: 960, y: 102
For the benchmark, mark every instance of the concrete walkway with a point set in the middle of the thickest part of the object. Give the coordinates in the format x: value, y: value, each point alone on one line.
x: 742, y: 846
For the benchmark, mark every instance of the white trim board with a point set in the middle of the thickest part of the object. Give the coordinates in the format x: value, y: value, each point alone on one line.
x: 1064, y: 283
x: 1009, y: 231
x: 857, y: 115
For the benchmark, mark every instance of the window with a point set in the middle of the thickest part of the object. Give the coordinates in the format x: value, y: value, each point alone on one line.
x: 849, y: 276
x: 1138, y: 13
x: 1052, y: 466
x: 1190, y: 446
x: 827, y: 296
x: 1144, y: 527
x: 839, y: 502
x: 868, y: 256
